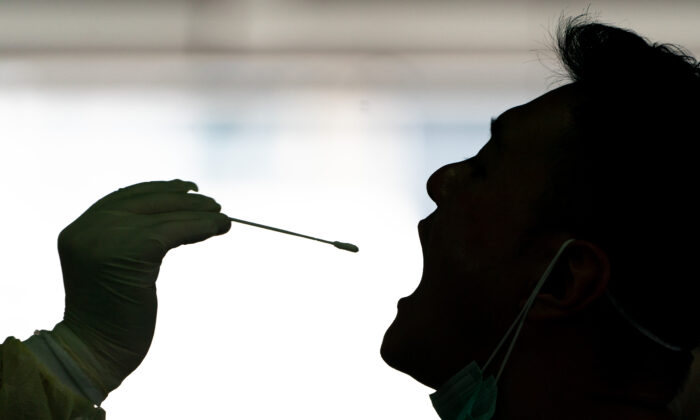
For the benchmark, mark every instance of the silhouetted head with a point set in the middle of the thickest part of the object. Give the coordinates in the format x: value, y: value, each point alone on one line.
x: 608, y: 159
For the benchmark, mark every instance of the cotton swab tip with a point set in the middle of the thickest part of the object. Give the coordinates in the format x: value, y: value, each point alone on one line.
x: 347, y: 247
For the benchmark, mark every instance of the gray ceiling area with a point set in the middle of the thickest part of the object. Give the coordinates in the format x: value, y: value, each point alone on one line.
x: 320, y: 26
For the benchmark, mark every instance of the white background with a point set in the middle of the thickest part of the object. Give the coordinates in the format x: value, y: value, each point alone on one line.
x: 325, y: 128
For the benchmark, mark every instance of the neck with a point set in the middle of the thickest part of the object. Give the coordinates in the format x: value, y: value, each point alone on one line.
x: 554, y: 374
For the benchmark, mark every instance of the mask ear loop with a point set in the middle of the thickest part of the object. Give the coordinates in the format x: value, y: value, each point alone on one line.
x: 524, y: 311
x: 641, y: 329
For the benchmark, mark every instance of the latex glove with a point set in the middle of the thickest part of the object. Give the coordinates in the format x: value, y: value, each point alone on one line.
x: 110, y: 257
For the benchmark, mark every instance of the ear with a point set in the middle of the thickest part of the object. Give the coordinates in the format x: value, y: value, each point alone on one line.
x: 582, y: 273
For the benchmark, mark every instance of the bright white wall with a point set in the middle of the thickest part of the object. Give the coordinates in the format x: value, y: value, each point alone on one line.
x: 252, y: 316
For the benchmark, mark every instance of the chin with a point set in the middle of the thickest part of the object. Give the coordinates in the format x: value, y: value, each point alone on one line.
x: 401, y: 353
x: 394, y: 349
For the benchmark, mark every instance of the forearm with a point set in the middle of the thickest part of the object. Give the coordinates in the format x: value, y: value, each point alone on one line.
x: 70, y: 360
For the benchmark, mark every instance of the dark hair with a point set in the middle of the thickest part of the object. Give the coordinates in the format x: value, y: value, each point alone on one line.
x: 627, y: 173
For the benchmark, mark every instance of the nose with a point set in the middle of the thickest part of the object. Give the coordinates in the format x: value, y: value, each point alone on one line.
x: 440, y: 183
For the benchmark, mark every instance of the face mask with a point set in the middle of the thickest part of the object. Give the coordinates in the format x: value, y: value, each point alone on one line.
x: 467, y: 396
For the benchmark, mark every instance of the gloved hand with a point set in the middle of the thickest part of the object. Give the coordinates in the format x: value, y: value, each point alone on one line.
x: 110, y: 258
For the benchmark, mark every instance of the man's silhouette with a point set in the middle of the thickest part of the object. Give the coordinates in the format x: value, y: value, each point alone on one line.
x: 607, y: 160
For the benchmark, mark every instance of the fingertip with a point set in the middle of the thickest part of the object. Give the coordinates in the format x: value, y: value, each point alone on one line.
x: 191, y: 185
x: 226, y: 225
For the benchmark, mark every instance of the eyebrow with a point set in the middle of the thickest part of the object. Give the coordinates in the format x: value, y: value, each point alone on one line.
x: 496, y: 131
x: 496, y: 126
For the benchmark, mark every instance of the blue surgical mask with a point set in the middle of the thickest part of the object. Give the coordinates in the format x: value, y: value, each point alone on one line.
x: 468, y: 396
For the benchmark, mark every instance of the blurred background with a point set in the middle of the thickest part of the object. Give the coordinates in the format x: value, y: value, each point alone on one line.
x: 324, y: 117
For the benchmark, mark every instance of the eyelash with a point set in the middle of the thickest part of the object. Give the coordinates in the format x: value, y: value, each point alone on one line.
x: 475, y: 163
x: 469, y: 157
